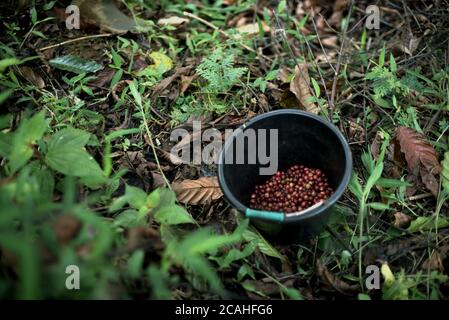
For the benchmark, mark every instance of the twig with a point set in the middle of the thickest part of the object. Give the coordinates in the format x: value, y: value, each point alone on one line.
x: 337, y: 68
x: 75, y: 40
x: 420, y: 196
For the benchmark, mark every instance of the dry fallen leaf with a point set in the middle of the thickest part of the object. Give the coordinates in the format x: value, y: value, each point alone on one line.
x: 32, y: 76
x: 250, y: 29
x: 300, y: 86
x: 200, y: 191
x: 434, y: 262
x: 172, y: 21
x: 337, y: 15
x: 401, y: 220
x: 332, y: 282
x: 421, y: 157
x: 107, y: 16
x: 185, y: 82
x: 103, y: 78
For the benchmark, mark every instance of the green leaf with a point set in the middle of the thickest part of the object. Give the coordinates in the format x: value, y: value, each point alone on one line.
x: 391, y: 183
x: 245, y: 270
x: 427, y: 223
x: 234, y: 255
x: 158, y: 279
x: 272, y: 75
x: 73, y: 162
x: 173, y: 214
x: 378, y: 206
x: 161, y: 197
x: 248, y: 285
x: 5, y: 95
x: 135, y: 263
x: 445, y: 172
x: 136, y: 95
x: 355, y: 187
x: 202, y: 267
x: 393, y: 66
x: 135, y: 197
x: 5, y: 63
x: 30, y: 130
x: 66, y: 154
x: 316, y: 87
x: 33, y: 14
x: 382, y: 57
x: 75, y: 64
x: 116, y: 59
x: 205, y: 241
x: 5, y: 144
x: 281, y: 6
x: 127, y: 219
x: 292, y: 293
x: 363, y: 296
x: 69, y: 137
x: 375, y: 175
x: 264, y: 246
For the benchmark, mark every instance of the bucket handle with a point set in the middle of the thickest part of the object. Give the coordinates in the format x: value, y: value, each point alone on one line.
x: 265, y: 215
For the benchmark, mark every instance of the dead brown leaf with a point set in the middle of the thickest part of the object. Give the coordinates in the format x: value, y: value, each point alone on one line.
x: 434, y: 262
x: 200, y: 191
x: 401, y: 220
x: 158, y: 180
x: 103, y: 78
x: 332, y: 282
x: 336, y: 18
x: 251, y: 29
x: 185, y: 82
x: 164, y: 83
x: 172, y: 21
x: 66, y: 228
x: 421, y: 157
x: 32, y: 76
x: 107, y: 16
x: 300, y: 86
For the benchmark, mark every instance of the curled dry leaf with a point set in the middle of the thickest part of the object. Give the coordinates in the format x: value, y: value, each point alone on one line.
x: 32, y: 76
x: 421, y: 157
x: 200, y: 191
x: 300, y: 86
x: 338, y: 8
x: 401, y: 220
x: 103, y: 78
x: 185, y: 82
x: 172, y: 21
x: 251, y: 29
x: 158, y: 180
x: 331, y: 281
x: 434, y: 262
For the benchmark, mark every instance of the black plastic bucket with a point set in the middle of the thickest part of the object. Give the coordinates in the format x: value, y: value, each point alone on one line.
x: 302, y: 139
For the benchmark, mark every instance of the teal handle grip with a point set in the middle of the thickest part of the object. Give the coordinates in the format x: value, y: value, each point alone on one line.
x: 265, y: 215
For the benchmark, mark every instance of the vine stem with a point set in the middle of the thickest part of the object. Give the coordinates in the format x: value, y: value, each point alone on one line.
x: 150, y: 136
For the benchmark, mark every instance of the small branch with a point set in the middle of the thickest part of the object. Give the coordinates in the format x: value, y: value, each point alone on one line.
x: 337, y: 68
x: 75, y: 40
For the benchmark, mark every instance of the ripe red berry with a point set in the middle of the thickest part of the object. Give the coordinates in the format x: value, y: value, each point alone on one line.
x: 293, y: 190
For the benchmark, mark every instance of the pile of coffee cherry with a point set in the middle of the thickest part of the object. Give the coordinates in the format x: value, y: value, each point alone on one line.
x: 294, y: 190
